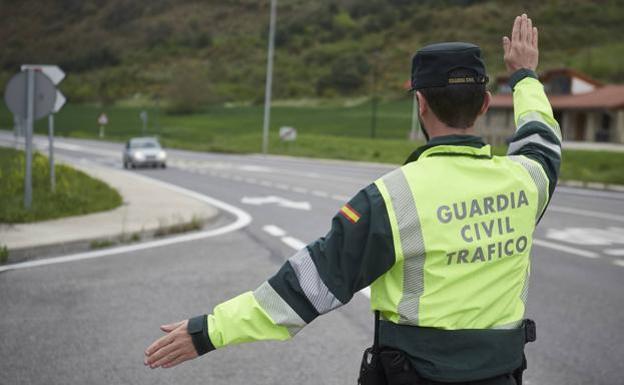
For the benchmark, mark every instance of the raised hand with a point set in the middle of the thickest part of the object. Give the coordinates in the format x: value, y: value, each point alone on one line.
x: 521, y: 51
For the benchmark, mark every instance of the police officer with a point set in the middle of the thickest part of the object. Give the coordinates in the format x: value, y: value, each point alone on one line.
x: 443, y: 242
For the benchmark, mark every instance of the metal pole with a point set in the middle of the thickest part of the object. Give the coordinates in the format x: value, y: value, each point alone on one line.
x: 374, y: 116
x: 269, y: 80
x: 17, y: 127
x: 51, y: 151
x: 415, y: 131
x: 30, y: 110
x: 374, y: 102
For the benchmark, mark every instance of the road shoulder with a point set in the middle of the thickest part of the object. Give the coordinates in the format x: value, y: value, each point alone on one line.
x: 149, y: 207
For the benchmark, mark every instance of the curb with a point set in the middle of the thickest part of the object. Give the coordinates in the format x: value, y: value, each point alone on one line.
x: 33, y: 253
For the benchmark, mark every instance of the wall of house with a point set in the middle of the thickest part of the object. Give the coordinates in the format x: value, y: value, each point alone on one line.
x: 618, y: 124
x: 496, y: 126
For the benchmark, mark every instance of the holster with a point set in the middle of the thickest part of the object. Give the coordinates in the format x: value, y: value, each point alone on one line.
x: 386, y: 366
x: 371, y: 369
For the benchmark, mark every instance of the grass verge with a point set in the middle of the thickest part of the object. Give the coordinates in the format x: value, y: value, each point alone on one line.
x: 4, y: 254
x: 324, y: 131
x: 76, y: 192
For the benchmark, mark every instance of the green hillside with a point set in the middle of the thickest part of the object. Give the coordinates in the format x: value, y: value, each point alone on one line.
x: 191, y: 53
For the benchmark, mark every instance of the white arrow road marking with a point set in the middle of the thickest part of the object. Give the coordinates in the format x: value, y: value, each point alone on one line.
x: 566, y: 249
x: 282, y: 202
x: 242, y: 219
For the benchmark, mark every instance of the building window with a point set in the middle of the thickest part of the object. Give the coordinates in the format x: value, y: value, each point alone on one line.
x: 603, y: 134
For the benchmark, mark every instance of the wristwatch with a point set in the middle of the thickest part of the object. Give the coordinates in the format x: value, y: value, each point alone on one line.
x: 198, y: 330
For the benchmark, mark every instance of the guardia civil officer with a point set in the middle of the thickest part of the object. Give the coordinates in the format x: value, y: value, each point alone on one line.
x: 444, y: 241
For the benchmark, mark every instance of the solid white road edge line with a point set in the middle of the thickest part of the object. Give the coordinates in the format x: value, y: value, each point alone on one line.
x: 242, y: 219
x: 565, y: 249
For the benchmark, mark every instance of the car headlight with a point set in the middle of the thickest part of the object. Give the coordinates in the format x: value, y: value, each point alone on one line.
x: 138, y: 155
x: 162, y: 155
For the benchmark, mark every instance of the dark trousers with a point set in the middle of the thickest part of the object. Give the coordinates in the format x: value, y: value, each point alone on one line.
x: 399, y: 371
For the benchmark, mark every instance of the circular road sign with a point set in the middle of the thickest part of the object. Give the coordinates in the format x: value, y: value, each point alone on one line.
x: 16, y: 90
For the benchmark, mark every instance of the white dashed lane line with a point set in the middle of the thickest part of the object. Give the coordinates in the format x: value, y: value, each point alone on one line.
x: 274, y: 230
x: 267, y: 183
x: 287, y: 240
x: 619, y: 262
x: 294, y: 243
x: 615, y: 252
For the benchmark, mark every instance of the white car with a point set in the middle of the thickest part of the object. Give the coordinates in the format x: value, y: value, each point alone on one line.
x: 144, y: 152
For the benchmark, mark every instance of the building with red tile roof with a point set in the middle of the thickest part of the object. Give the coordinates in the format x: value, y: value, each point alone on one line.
x: 586, y: 109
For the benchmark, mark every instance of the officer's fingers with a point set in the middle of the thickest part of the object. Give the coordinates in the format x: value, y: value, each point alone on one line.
x: 529, y: 32
x: 170, y: 327
x: 163, y: 355
x: 515, y: 31
x: 167, y: 358
x: 180, y: 359
x: 506, y: 45
x: 535, y: 38
x: 523, y: 28
x: 159, y: 343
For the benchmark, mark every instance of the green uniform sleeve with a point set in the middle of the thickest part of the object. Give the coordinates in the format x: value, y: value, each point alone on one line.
x: 317, y: 279
x: 538, y: 136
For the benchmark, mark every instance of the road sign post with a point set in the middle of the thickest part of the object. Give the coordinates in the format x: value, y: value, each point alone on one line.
x: 102, y: 121
x: 30, y: 107
x: 60, y: 102
x: 29, y: 95
x: 51, y: 152
x: 56, y: 75
x: 269, y: 80
x: 143, y: 116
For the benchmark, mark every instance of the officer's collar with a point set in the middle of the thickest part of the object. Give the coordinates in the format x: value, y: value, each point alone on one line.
x: 469, y: 145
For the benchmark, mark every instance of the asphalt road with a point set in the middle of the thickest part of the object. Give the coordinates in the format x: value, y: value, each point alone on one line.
x: 89, y: 321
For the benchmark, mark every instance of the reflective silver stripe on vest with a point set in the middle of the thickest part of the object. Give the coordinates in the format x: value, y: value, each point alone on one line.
x: 410, y: 233
x: 533, y: 139
x: 310, y: 281
x: 279, y: 311
x: 525, y: 288
x: 540, y: 180
x: 537, y: 116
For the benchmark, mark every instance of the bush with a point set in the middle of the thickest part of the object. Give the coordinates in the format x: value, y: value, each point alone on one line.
x: 4, y: 254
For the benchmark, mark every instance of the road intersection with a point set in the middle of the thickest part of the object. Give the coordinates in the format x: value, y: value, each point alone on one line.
x: 88, y: 320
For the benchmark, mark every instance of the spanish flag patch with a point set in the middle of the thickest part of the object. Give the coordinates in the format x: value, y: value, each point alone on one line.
x: 349, y: 212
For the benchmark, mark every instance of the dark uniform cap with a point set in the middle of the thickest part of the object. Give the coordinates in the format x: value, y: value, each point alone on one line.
x: 432, y: 65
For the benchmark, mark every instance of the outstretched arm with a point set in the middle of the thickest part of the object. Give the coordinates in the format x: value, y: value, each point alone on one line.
x: 317, y: 279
